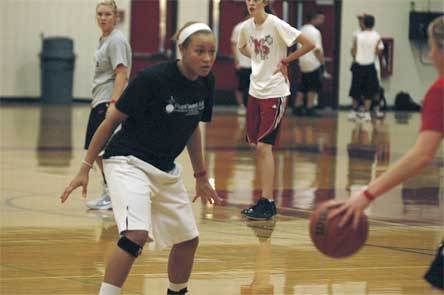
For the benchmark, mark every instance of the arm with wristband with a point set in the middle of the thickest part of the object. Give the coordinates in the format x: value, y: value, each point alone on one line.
x: 204, y: 189
x: 101, y: 136
x: 119, y: 85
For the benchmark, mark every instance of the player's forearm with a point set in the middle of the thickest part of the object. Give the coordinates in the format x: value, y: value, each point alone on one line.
x: 353, y: 49
x: 307, y: 46
x: 409, y: 165
x: 319, y: 55
x: 119, y: 85
x: 244, y: 50
x: 234, y: 53
x: 194, y: 147
x: 100, y: 138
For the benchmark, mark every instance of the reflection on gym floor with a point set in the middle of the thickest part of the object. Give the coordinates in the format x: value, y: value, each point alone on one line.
x: 48, y: 248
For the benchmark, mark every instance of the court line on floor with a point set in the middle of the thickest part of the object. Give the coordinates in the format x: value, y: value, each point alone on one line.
x: 9, y: 202
x: 399, y: 249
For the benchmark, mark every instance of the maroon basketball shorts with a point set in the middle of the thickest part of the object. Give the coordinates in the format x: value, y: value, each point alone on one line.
x: 263, y: 119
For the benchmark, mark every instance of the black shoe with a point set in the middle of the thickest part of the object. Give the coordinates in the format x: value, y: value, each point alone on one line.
x: 183, y: 291
x: 311, y: 113
x: 298, y: 111
x: 263, y: 210
x: 435, y: 274
x: 262, y: 229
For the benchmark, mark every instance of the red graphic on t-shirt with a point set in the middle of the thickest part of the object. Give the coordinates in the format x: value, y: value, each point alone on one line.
x: 262, y: 46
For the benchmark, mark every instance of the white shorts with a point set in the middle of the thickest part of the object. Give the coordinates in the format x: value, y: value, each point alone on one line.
x: 149, y: 199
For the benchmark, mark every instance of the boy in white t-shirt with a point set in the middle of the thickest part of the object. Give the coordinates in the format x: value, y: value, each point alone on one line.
x: 366, y: 45
x: 311, y: 66
x: 265, y: 38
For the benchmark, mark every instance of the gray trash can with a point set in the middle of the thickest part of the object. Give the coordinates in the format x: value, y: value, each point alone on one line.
x: 57, y: 69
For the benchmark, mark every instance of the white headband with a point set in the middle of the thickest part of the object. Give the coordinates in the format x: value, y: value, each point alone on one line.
x: 190, y: 30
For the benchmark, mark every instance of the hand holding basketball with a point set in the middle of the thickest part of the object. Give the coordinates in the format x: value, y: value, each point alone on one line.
x: 350, y: 209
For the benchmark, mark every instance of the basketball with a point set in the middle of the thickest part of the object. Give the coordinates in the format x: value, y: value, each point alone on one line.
x: 332, y: 240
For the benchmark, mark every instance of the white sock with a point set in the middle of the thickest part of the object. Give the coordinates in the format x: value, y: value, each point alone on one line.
x: 108, y: 289
x: 177, y: 287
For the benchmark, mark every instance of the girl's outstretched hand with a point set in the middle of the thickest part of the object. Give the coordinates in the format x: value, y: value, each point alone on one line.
x: 81, y: 179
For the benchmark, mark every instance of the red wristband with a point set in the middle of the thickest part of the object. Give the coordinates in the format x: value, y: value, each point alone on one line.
x: 113, y: 101
x: 369, y: 195
x: 200, y: 174
x: 284, y: 62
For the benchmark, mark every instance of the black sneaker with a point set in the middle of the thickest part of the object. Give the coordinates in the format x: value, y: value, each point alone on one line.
x: 183, y: 291
x: 435, y: 274
x: 263, y: 210
x: 312, y: 113
x: 298, y: 111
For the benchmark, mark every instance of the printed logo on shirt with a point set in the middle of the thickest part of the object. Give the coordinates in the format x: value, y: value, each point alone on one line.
x: 170, y: 106
x: 262, y: 46
x: 188, y: 109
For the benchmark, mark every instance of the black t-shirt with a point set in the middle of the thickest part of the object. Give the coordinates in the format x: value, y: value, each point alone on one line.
x: 164, y: 109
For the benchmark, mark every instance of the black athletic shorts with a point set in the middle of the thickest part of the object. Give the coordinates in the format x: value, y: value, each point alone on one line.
x: 96, y: 117
x: 311, y: 81
x: 354, y: 91
x: 365, y: 83
x: 243, y: 75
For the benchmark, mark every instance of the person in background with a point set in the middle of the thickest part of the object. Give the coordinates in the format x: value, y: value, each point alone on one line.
x: 367, y: 44
x: 312, y: 66
x: 265, y: 39
x: 112, y: 69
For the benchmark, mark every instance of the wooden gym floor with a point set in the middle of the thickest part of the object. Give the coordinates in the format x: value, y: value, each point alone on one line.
x: 47, y: 248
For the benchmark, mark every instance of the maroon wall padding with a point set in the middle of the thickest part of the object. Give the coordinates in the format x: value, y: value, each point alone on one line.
x: 144, y: 26
x: 144, y: 36
x: 171, y: 24
x: 231, y: 13
x: 225, y: 74
x: 277, y: 8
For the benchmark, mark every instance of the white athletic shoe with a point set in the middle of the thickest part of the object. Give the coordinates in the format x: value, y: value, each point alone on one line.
x: 379, y: 114
x: 101, y: 203
x: 366, y: 117
x: 353, y: 115
x: 241, y: 111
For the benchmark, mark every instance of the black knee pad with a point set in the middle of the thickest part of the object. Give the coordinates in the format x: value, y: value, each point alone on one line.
x: 129, y: 246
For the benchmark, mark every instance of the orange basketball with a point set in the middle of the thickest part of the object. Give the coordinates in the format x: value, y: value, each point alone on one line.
x: 332, y: 240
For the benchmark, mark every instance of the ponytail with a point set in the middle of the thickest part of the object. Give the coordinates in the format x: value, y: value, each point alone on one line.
x: 268, y: 9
